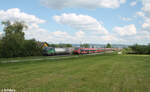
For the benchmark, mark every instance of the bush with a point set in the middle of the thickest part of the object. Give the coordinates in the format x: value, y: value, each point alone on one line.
x: 31, y: 48
x: 140, y: 49
x: 127, y: 51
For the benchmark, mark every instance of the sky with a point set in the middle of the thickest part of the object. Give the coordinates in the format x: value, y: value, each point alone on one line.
x: 81, y: 21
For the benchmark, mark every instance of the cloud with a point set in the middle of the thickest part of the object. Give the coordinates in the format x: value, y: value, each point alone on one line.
x: 40, y: 34
x: 14, y: 14
x: 125, y: 18
x: 145, y: 14
x: 33, y: 31
x: 88, y: 4
x: 60, y: 34
x: 80, y: 34
x: 110, y: 38
x: 146, y: 8
x: 127, y: 30
x: 81, y: 22
x: 133, y: 3
x: 146, y: 26
x: 146, y: 5
x: 61, y: 37
x: 141, y: 14
x: 142, y: 37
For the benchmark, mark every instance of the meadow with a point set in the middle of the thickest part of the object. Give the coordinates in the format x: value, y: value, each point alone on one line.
x: 96, y: 73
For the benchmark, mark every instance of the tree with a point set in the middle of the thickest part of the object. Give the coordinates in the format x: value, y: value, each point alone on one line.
x: 0, y: 47
x: 31, y: 48
x: 148, y: 48
x: 12, y: 42
x: 108, y: 45
x: 15, y: 29
x: 140, y: 49
x: 85, y: 45
x: 60, y: 45
x: 53, y: 45
x: 68, y: 45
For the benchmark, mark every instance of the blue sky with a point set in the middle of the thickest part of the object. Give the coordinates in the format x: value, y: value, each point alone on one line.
x: 96, y: 21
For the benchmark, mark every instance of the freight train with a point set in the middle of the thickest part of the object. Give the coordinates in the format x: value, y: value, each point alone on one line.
x: 57, y: 51
x: 61, y: 51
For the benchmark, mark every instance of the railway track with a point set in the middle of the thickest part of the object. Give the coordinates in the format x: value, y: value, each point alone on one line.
x: 48, y: 58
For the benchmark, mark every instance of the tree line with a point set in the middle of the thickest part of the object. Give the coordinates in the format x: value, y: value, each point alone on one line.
x: 60, y: 45
x: 137, y: 49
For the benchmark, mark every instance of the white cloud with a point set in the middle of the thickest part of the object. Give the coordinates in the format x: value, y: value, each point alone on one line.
x: 142, y: 37
x: 60, y: 34
x: 133, y: 3
x: 141, y: 14
x: 40, y: 34
x: 81, y: 22
x: 61, y: 37
x: 145, y: 14
x: 125, y: 18
x: 146, y: 5
x: 109, y: 38
x: 146, y: 8
x: 15, y: 14
x: 33, y: 31
x: 88, y: 4
x: 125, y: 30
x: 145, y: 25
x: 80, y: 34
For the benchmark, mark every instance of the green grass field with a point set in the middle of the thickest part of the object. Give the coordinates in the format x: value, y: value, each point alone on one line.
x: 99, y: 73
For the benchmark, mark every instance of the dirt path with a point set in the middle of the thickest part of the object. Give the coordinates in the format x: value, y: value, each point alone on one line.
x: 37, y: 59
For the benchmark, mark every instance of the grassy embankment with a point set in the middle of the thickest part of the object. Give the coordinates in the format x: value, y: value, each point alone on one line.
x: 99, y: 73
